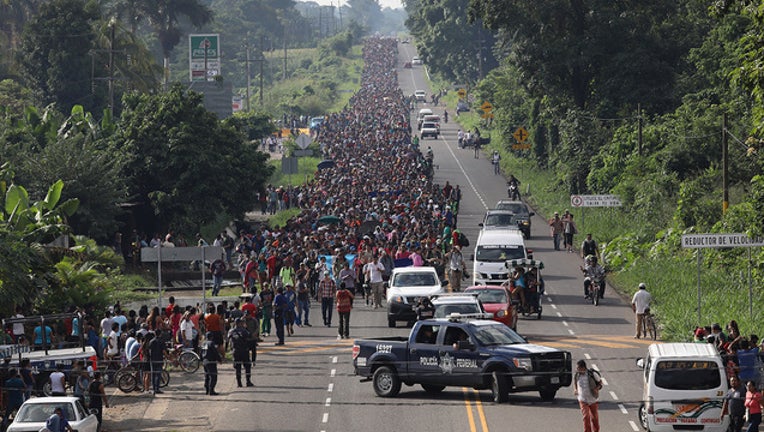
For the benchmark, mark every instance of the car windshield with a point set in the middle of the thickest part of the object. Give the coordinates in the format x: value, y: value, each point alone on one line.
x: 499, y: 253
x: 41, y: 412
x: 502, y: 219
x: 444, y: 310
x: 490, y: 295
x: 488, y: 335
x: 515, y: 207
x: 414, y: 279
x: 428, y: 126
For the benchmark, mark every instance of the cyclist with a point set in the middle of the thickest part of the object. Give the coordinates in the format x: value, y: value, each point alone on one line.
x: 640, y: 303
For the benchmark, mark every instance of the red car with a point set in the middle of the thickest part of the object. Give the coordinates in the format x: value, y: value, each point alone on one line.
x: 496, y: 300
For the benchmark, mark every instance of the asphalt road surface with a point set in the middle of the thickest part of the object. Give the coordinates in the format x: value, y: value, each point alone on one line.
x: 308, y: 384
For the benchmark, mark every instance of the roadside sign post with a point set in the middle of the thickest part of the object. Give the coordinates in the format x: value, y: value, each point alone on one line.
x: 593, y: 201
x: 722, y: 241
x: 176, y: 254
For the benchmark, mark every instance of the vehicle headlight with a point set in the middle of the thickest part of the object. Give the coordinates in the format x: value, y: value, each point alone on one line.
x: 525, y: 222
x: 523, y: 363
x: 397, y: 299
x: 501, y: 313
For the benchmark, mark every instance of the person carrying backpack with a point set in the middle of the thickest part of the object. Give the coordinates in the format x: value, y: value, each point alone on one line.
x: 587, y: 384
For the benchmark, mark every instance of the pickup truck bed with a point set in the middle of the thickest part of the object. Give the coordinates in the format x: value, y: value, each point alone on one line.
x: 480, y: 354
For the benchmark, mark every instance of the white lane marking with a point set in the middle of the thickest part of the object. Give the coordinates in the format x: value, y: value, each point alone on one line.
x: 461, y: 168
x: 604, y: 382
x: 554, y: 306
x: 633, y: 426
x: 326, y: 418
x: 332, y: 373
x: 587, y: 356
x: 550, y: 299
x: 565, y: 323
x: 328, y: 402
x: 559, y: 314
x: 622, y: 408
x: 331, y: 387
x: 334, y: 359
x: 613, y: 395
x: 571, y: 332
x: 594, y: 366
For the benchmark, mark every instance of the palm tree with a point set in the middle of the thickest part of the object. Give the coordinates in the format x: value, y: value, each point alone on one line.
x: 163, y: 17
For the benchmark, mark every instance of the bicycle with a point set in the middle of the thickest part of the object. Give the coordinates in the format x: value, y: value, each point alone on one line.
x: 130, y: 379
x: 648, y: 325
x: 184, y: 358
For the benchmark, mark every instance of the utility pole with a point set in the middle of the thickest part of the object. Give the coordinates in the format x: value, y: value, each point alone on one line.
x: 249, y: 74
x: 262, y: 63
x: 639, y: 129
x: 725, y: 176
x: 284, y: 77
x: 112, y: 24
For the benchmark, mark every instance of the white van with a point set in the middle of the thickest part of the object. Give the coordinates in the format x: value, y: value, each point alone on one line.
x: 420, y: 117
x: 684, y: 386
x: 492, y: 250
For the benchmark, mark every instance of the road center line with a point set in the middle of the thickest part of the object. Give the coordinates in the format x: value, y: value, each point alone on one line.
x: 334, y: 359
x: 554, y: 306
x: 587, y: 356
x: 332, y: 373
x: 468, y: 405
x: 613, y: 395
x: 622, y: 408
x: 565, y: 323
x: 328, y: 402
x: 461, y: 168
x: 481, y: 413
x: 571, y: 332
x: 633, y: 426
x: 326, y: 418
x: 331, y: 387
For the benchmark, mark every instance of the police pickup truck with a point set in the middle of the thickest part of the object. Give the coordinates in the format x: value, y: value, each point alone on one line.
x: 458, y: 351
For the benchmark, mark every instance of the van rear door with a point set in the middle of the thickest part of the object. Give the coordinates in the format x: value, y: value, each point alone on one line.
x: 686, y: 394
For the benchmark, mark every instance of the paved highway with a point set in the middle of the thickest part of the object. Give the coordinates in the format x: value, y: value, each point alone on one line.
x: 308, y: 384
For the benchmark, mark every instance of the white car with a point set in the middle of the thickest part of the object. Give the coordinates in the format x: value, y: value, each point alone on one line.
x: 416, y: 61
x: 429, y: 129
x: 463, y: 304
x: 420, y: 95
x: 35, y: 412
x: 406, y: 286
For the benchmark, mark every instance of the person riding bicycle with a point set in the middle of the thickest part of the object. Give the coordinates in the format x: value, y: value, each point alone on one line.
x: 640, y: 304
x: 594, y: 273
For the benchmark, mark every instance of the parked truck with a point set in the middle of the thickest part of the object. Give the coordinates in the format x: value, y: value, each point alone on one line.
x: 462, y: 351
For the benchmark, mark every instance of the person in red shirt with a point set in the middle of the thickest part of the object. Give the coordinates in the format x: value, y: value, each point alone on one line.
x: 344, y: 306
x: 754, y: 404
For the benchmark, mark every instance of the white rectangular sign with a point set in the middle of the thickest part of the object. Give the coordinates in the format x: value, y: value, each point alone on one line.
x: 211, y: 253
x: 698, y: 241
x: 594, y: 201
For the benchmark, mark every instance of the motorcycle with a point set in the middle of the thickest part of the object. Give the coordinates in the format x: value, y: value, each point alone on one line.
x: 594, y: 289
x: 513, y: 192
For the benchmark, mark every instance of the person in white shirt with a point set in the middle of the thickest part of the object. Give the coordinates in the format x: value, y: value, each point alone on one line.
x: 639, y: 304
x: 18, y: 328
x: 373, y: 271
x: 57, y: 382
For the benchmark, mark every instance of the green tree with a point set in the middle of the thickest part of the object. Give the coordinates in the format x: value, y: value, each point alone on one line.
x: 451, y: 46
x: 55, y: 52
x: 164, y: 17
x: 184, y: 167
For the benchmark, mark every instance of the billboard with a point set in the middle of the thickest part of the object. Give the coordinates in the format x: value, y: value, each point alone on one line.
x: 203, y: 56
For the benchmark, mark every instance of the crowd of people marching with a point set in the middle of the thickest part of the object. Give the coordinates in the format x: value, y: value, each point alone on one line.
x: 374, y: 207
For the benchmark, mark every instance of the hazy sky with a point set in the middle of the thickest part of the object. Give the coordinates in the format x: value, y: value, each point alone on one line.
x: 384, y: 3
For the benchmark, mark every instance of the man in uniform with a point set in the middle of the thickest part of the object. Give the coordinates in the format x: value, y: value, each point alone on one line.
x: 211, y: 357
x: 240, y: 340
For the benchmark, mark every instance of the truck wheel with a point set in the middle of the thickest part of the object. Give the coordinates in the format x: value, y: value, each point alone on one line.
x: 432, y: 388
x: 499, y: 388
x: 548, y: 394
x: 391, y: 323
x: 386, y: 382
x: 643, y: 416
